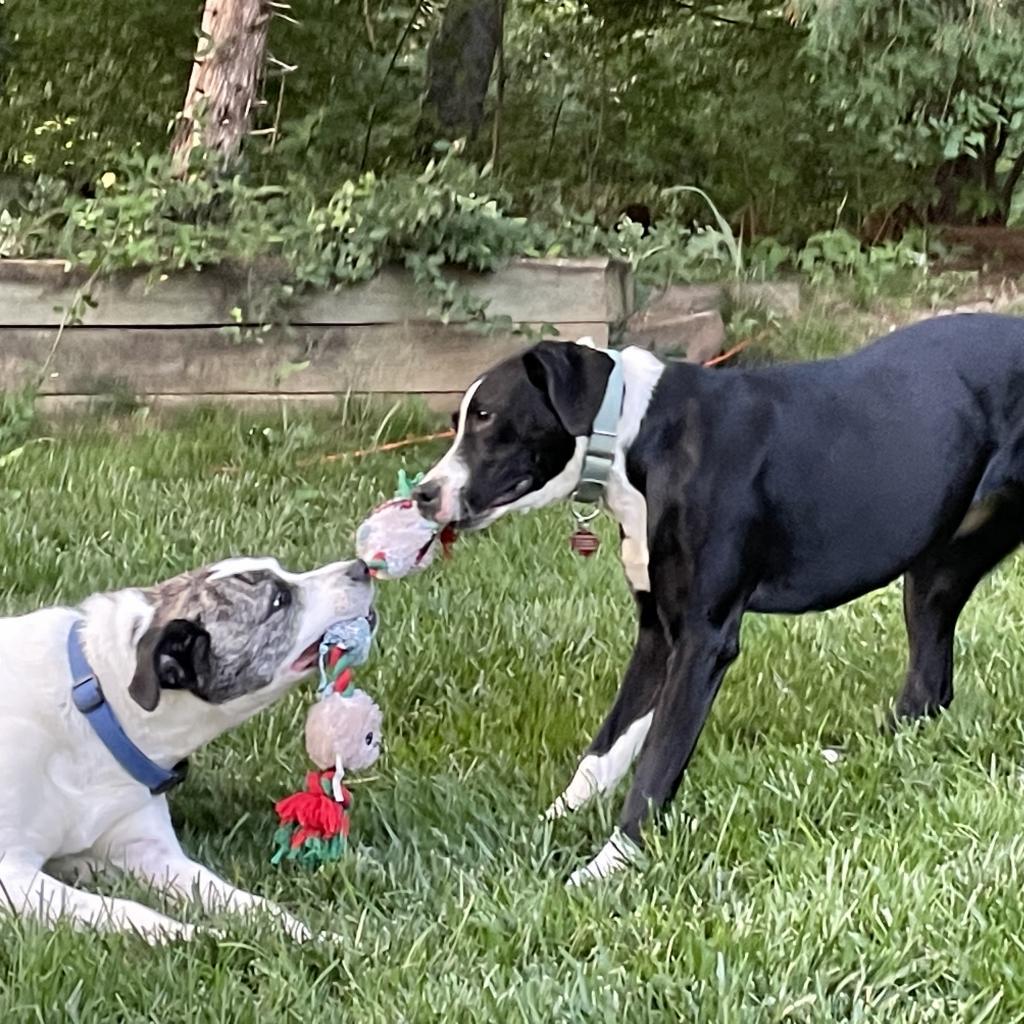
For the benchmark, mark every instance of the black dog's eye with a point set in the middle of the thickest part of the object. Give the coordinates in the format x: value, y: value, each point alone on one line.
x: 369, y: 739
x: 482, y: 415
x: 281, y: 599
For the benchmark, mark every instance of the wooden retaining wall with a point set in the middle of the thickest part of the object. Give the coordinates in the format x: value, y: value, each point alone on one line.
x: 166, y: 340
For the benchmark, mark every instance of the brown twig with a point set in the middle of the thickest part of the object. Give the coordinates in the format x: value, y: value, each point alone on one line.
x: 389, y: 447
x: 734, y: 351
x: 361, y: 452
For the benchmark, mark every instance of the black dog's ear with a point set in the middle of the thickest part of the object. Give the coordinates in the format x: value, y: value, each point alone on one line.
x: 573, y: 377
x: 175, y: 656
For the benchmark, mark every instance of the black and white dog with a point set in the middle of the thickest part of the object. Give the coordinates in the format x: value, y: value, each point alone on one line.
x: 785, y: 489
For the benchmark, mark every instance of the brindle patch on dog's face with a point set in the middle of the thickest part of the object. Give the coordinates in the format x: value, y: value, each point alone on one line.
x: 242, y: 625
x: 252, y: 619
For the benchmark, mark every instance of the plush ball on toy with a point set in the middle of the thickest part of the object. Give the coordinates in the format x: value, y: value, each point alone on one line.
x: 395, y: 540
x: 343, y: 729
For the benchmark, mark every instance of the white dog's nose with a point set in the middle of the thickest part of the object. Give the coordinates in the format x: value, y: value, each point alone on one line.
x: 358, y: 572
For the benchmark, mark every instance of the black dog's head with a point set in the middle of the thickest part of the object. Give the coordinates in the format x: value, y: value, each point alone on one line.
x: 521, y: 433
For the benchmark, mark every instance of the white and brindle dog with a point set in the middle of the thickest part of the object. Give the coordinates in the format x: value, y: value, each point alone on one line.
x: 101, y: 705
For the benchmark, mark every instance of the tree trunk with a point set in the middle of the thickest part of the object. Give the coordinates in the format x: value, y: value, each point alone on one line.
x: 459, y: 65
x: 222, y: 90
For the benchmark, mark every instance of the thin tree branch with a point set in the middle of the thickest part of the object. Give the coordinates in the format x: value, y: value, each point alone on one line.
x: 499, y: 99
x: 368, y: 22
x: 700, y: 11
x: 1010, y: 184
x: 372, y: 114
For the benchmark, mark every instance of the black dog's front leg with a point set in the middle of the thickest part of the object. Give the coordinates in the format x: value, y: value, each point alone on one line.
x: 699, y: 659
x: 696, y: 668
x: 620, y: 737
x: 701, y: 651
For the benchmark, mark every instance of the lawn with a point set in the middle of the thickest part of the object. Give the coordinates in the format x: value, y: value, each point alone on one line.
x: 885, y: 885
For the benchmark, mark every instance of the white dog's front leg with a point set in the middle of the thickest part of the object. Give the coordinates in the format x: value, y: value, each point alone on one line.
x: 144, y: 845
x: 27, y: 891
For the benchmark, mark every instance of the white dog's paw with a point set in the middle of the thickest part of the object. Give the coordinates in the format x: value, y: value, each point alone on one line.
x: 294, y: 928
x: 163, y: 933
x: 616, y: 855
x: 558, y: 809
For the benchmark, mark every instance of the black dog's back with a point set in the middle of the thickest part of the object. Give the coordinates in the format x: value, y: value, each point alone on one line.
x: 851, y: 467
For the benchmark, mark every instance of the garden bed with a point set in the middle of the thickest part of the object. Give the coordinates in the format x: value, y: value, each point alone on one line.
x: 181, y: 339
x: 174, y: 340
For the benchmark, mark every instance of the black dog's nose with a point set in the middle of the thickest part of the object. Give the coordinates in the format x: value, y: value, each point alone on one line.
x: 358, y: 571
x: 427, y: 496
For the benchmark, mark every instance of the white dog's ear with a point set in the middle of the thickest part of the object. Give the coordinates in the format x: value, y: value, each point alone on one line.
x: 175, y: 656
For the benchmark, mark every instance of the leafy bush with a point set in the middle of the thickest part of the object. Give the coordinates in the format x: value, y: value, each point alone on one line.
x: 451, y: 214
x: 796, y: 116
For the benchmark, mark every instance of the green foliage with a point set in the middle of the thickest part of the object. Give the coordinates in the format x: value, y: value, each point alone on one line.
x: 829, y: 257
x: 17, y: 418
x: 449, y: 215
x: 141, y: 216
x: 934, y: 91
x: 82, y: 88
x: 765, y: 138
x: 795, y: 116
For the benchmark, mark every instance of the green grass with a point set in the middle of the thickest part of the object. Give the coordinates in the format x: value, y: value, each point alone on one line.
x: 884, y: 887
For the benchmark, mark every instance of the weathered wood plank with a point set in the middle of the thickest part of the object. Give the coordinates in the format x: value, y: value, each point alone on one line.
x: 55, y: 406
x: 408, y: 357
x: 38, y: 293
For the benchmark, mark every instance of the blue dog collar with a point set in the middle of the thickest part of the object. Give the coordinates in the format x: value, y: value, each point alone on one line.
x: 88, y: 698
x: 600, y: 453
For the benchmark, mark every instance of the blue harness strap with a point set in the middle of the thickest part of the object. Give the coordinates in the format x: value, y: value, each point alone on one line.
x: 88, y: 698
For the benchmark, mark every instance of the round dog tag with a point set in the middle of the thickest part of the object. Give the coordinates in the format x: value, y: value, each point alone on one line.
x: 583, y: 542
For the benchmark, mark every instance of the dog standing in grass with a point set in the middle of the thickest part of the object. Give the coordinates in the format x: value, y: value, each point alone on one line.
x: 100, y: 705
x: 786, y: 489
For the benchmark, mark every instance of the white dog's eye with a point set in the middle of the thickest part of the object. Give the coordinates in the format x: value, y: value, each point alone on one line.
x: 369, y: 739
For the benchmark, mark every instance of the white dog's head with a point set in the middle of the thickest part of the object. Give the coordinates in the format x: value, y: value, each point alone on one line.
x: 241, y: 627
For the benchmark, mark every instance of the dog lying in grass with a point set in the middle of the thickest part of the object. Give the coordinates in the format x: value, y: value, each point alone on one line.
x: 100, y: 705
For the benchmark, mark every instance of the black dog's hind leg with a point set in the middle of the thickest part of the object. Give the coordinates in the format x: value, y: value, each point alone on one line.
x: 936, y: 588
x: 619, y: 739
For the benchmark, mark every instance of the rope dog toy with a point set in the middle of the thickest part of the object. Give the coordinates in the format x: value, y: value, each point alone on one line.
x: 343, y: 730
